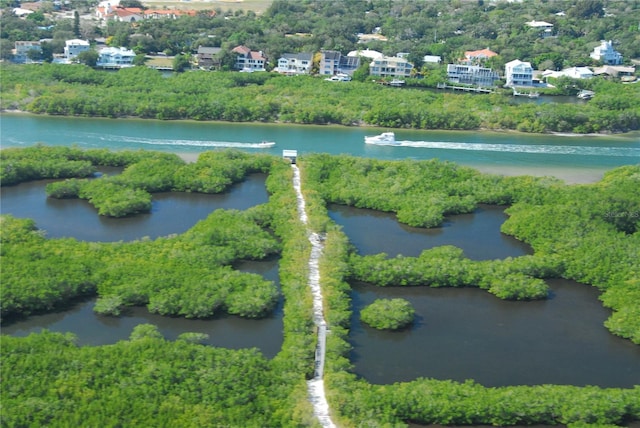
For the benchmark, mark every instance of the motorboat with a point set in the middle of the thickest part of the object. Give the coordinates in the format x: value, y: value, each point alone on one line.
x: 266, y: 144
x: 586, y: 95
x: 386, y: 138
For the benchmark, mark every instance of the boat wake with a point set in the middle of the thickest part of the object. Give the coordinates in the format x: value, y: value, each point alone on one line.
x: 182, y: 143
x: 520, y: 148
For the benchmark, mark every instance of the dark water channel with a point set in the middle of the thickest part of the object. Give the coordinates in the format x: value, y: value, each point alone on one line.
x: 477, y: 234
x: 225, y: 331
x: 468, y: 333
x: 171, y: 213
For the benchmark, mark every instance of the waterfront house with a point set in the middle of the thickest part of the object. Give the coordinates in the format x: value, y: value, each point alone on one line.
x: 112, y: 57
x: 75, y: 46
x: 207, y: 57
x: 572, y: 72
x: 617, y: 71
x: 390, y: 66
x: 248, y: 60
x: 606, y: 54
x: 329, y: 62
x: 22, y: 48
x: 292, y: 64
x: 471, y: 75
x: 518, y: 73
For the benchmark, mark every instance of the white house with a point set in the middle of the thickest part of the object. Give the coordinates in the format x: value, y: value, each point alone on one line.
x: 248, y: 60
x: 432, y: 59
x: 606, y: 54
x: 22, y: 49
x: 299, y: 63
x: 518, y: 73
x: 471, y: 74
x: 75, y: 46
x: 115, y: 57
x: 390, y: 66
x: 573, y: 72
x: 546, y: 28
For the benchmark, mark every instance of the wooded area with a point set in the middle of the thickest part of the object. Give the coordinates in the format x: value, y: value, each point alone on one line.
x: 577, y: 232
x: 76, y: 90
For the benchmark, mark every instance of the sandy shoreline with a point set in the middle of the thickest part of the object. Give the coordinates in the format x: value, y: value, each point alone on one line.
x: 568, y: 175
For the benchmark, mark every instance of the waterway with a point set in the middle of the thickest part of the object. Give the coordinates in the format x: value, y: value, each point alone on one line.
x: 468, y: 333
x: 225, y: 331
x: 574, y: 158
x: 171, y: 212
x: 460, y: 334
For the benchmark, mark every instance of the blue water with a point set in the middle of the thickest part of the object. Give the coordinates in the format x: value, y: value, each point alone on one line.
x: 469, y: 148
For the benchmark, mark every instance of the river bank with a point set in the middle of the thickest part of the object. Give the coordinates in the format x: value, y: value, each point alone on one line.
x: 573, y: 159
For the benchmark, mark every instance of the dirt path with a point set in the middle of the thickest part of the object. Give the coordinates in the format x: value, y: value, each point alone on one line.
x: 315, y: 386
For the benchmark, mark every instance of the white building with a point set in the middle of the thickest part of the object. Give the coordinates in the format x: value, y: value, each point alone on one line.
x: 545, y: 28
x: 390, y: 66
x: 573, y: 72
x: 115, y: 57
x: 75, y: 46
x: 299, y: 63
x: 518, y: 73
x: 606, y: 54
x: 22, y: 49
x: 471, y: 74
x: 248, y: 60
x: 432, y: 59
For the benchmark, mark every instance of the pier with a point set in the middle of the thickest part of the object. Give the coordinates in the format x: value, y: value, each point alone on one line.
x: 476, y: 89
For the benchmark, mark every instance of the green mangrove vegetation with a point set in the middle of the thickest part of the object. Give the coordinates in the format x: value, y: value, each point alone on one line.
x: 355, y: 402
x: 588, y: 233
x: 388, y: 314
x: 78, y: 90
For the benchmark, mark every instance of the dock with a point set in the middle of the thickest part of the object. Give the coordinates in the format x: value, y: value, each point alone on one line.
x: 476, y: 89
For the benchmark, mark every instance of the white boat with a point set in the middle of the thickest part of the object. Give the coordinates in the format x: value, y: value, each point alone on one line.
x: 265, y: 144
x: 585, y: 95
x: 386, y: 138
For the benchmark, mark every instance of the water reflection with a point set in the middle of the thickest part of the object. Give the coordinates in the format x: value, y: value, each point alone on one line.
x: 470, y: 334
x: 478, y: 234
x: 171, y: 212
x: 224, y: 331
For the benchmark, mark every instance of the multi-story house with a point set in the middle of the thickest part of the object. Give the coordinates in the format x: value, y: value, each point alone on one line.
x: 471, y: 75
x: 606, y: 54
x: 290, y: 63
x: 22, y: 48
x: 518, y: 73
x: 248, y: 60
x: 207, y: 57
x: 330, y: 63
x: 390, y: 66
x: 115, y: 57
x: 75, y: 46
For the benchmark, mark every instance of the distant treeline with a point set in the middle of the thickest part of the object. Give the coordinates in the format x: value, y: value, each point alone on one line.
x: 588, y: 233
x: 76, y: 90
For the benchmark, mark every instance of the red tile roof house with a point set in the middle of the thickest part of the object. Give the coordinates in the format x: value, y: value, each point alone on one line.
x: 248, y: 60
x: 480, y: 55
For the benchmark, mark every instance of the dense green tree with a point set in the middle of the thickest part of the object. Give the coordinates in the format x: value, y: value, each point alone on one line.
x: 388, y: 314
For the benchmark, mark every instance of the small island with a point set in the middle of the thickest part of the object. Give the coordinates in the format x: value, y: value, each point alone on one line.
x: 388, y: 314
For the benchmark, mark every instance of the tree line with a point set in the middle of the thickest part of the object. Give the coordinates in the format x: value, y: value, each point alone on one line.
x: 77, y: 90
